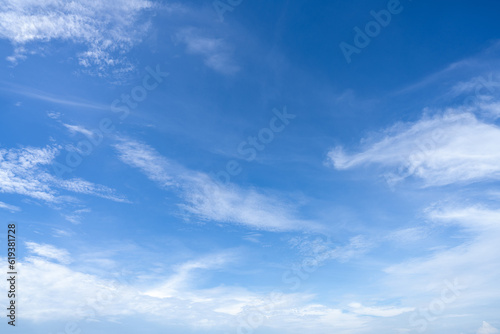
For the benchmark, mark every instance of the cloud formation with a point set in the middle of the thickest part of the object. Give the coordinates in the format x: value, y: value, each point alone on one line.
x: 486, y: 328
x: 105, y: 28
x: 390, y: 311
x: 9, y: 207
x: 207, y: 199
x: 216, y: 54
x: 176, y: 298
x: 50, y: 252
x: 25, y: 171
x: 455, y: 147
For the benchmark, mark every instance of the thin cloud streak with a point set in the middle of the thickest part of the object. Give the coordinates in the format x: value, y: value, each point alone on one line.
x: 209, y: 200
x: 43, y: 96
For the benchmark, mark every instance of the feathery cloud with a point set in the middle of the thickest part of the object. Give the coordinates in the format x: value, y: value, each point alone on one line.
x: 9, y: 207
x: 216, y: 53
x: 455, y: 147
x: 213, y: 308
x: 209, y: 200
x: 486, y: 328
x: 49, y: 252
x: 24, y: 171
x: 105, y: 28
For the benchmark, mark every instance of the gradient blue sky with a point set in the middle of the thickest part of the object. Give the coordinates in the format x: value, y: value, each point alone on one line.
x: 363, y: 196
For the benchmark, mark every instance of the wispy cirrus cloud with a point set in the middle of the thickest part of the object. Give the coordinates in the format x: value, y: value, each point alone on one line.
x: 455, y: 147
x: 76, y: 216
x: 49, y: 252
x: 40, y: 95
x: 486, y: 328
x: 184, y: 274
x: 250, y: 207
x: 25, y: 171
x: 78, y: 129
x: 379, y: 311
x: 11, y: 208
x: 106, y: 29
x: 323, y: 251
x: 149, y: 161
x: 215, y: 52
x: 209, y: 200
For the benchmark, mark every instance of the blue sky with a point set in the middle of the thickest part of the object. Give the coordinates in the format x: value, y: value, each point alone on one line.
x: 226, y: 166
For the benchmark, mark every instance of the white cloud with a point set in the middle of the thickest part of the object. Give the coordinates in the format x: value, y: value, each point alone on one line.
x: 408, y: 235
x: 232, y: 204
x: 54, y: 114
x: 486, y: 328
x: 216, y: 308
x: 253, y: 237
x: 470, y: 262
x: 78, y: 129
x: 61, y: 233
x: 386, y: 311
x: 322, y: 250
x: 480, y: 86
x: 37, y: 94
x: 9, y: 207
x: 471, y: 218
x: 76, y: 216
x: 106, y: 28
x: 145, y: 158
x: 209, y: 200
x: 216, y: 53
x: 453, y: 148
x: 184, y: 273
x: 25, y: 172
x: 49, y: 252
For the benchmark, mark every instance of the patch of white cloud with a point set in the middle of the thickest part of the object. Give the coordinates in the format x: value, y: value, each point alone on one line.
x: 76, y: 216
x: 253, y: 237
x: 78, y: 129
x: 11, y: 208
x: 106, y: 29
x: 184, y: 274
x: 56, y: 232
x: 25, y: 171
x: 177, y: 299
x: 148, y: 160
x: 216, y: 54
x: 54, y: 114
x: 36, y: 94
x: 464, y: 273
x: 324, y: 250
x: 455, y: 147
x: 379, y: 311
x: 210, y: 201
x: 49, y: 252
x: 479, y: 86
x: 408, y: 235
x: 250, y: 207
